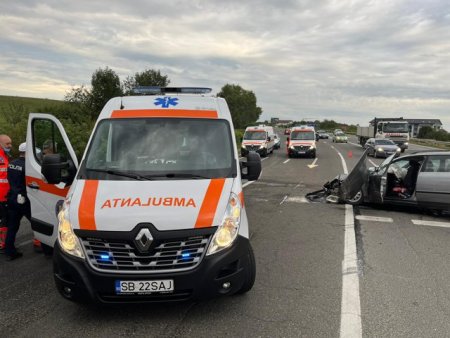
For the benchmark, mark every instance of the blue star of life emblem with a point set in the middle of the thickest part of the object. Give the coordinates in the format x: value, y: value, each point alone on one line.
x: 166, y: 102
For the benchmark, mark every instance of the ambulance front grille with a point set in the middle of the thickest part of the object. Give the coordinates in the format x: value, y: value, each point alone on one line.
x: 252, y: 148
x: 170, y: 255
x: 301, y: 148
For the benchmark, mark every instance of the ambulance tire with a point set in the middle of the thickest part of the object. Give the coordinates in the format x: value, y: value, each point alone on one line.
x: 250, y: 273
x: 47, y: 249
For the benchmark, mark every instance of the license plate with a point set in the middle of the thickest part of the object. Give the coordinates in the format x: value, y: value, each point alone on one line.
x: 302, y: 152
x: 144, y: 286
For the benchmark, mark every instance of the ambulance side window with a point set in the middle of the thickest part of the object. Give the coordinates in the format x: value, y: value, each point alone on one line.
x: 48, y: 140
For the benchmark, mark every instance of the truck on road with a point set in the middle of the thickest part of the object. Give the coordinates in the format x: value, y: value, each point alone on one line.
x: 395, y: 129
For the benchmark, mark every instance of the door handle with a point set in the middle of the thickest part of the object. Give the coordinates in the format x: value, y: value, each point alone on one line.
x: 34, y: 186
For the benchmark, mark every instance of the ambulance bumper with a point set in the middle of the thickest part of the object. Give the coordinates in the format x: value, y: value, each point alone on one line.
x: 299, y: 153
x: 77, y: 281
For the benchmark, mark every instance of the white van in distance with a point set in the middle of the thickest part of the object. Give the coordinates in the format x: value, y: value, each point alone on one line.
x: 302, y: 142
x: 259, y: 139
x: 155, y: 209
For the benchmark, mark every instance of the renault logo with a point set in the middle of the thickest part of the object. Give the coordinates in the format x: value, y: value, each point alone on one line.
x: 143, y: 240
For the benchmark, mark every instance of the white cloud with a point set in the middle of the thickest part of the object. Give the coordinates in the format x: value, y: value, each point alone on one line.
x: 347, y: 60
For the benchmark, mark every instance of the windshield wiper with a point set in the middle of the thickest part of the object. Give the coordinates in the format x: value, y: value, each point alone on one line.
x: 178, y: 175
x: 120, y: 173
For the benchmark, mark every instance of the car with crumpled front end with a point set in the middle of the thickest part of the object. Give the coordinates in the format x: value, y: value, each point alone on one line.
x: 420, y: 179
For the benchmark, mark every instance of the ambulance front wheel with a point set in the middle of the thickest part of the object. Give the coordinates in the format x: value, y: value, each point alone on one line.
x: 250, y: 273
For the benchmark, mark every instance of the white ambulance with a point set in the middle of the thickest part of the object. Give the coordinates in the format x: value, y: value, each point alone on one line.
x: 259, y: 139
x: 155, y: 209
x: 302, y: 142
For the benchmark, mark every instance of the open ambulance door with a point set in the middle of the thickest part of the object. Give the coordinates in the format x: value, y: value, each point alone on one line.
x: 46, y: 136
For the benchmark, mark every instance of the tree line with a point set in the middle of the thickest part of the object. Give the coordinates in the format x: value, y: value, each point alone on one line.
x: 82, y: 105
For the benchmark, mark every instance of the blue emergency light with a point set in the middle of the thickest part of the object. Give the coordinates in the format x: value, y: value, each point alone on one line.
x: 105, y: 257
x: 152, y: 90
x: 185, y: 255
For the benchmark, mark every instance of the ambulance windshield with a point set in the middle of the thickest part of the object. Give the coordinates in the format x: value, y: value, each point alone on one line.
x: 255, y: 135
x: 302, y: 135
x: 160, y: 148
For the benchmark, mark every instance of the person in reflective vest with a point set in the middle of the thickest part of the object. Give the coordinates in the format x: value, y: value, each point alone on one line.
x: 18, y: 202
x: 5, y: 148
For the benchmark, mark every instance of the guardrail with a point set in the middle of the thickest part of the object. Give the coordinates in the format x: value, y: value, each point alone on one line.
x: 431, y: 143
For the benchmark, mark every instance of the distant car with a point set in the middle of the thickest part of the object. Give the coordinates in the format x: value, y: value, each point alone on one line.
x: 277, y: 141
x: 340, y: 137
x: 337, y: 131
x: 287, y: 131
x: 421, y: 179
x: 322, y: 134
x: 381, y: 148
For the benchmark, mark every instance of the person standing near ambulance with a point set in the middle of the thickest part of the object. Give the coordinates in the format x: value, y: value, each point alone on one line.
x: 18, y: 202
x: 5, y: 148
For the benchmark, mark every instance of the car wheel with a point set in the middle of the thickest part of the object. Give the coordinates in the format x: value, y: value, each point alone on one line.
x: 250, y: 273
x: 357, y: 199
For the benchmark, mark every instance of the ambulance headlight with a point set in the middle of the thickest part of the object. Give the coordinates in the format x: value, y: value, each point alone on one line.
x: 263, y: 146
x: 243, y: 146
x: 380, y: 149
x: 406, y: 143
x: 68, y: 241
x: 311, y: 147
x: 227, y: 231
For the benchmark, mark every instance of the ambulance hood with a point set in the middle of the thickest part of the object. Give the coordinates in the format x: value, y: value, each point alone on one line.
x: 167, y: 204
x: 251, y: 142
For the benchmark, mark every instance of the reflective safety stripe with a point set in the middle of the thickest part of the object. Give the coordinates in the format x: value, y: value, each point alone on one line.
x: 3, y: 181
x: 207, y: 211
x: 86, y: 210
x: 46, y: 187
x: 3, y: 169
x: 173, y: 113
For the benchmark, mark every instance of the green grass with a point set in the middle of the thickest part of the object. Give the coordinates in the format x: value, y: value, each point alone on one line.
x: 30, y: 104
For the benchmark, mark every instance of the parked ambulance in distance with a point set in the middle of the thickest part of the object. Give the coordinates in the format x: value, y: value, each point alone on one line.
x: 155, y: 209
x: 302, y: 142
x: 259, y: 139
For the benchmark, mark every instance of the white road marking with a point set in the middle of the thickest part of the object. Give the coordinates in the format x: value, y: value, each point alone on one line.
x: 373, y: 163
x: 246, y: 184
x: 264, y: 158
x: 374, y: 219
x: 297, y: 199
x: 24, y: 243
x: 284, y: 199
x: 313, y: 165
x: 286, y: 161
x: 355, y: 144
x: 350, y: 302
x: 431, y: 223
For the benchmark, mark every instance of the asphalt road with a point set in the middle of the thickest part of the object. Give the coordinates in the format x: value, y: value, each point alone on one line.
x: 403, y: 271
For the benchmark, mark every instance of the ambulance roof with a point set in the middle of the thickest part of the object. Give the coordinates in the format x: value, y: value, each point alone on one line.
x: 173, y: 104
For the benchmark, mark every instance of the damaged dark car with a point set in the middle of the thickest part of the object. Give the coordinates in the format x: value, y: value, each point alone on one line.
x: 421, y: 180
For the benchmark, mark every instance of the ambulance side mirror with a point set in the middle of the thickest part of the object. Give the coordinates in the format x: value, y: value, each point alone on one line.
x: 51, y: 168
x: 253, y: 166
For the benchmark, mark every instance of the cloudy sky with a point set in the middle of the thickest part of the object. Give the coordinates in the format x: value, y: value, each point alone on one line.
x: 336, y: 59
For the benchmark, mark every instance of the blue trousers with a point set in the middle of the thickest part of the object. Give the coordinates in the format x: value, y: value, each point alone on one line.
x: 15, y: 214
